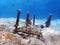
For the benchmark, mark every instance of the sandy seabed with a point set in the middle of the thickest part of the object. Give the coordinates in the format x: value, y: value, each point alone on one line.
x: 50, y: 34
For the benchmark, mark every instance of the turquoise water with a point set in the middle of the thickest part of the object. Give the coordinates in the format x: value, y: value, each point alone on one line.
x: 40, y: 8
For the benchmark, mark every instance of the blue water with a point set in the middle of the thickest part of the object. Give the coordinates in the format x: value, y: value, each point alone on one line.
x: 40, y: 8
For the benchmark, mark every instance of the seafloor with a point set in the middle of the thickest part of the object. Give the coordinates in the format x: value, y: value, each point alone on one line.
x: 51, y: 34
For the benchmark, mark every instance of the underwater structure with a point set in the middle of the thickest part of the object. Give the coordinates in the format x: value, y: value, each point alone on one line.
x: 27, y: 31
x: 48, y: 22
x: 28, y: 20
x: 33, y: 20
x: 17, y: 21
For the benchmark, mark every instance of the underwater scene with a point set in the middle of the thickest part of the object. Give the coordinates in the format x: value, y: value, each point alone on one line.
x: 29, y: 22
